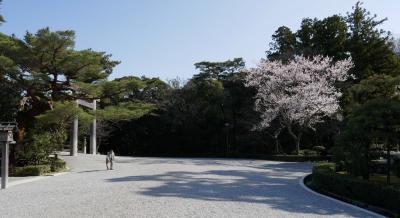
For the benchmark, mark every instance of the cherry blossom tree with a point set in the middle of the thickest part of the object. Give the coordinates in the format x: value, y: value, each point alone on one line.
x: 299, y: 93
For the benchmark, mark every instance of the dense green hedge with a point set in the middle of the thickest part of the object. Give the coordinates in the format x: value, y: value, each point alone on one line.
x: 325, y: 167
x: 54, y: 165
x: 324, y: 178
x: 281, y: 157
x: 295, y: 158
x: 36, y: 170
x: 57, y: 165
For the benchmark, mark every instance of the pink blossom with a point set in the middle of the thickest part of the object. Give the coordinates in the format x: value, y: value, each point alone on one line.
x: 301, y: 92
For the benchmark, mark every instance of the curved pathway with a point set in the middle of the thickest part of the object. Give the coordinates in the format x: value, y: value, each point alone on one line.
x: 169, y: 187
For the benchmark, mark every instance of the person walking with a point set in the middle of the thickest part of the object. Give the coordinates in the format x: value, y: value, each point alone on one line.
x: 110, y: 159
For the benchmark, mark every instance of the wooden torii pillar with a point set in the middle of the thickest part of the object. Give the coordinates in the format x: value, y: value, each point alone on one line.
x: 74, y: 141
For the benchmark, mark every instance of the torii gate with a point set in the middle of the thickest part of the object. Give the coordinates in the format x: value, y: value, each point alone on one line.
x: 74, y: 141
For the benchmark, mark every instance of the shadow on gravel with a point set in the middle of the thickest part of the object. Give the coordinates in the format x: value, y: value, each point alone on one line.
x: 277, y: 188
x: 287, y: 166
x: 91, y: 171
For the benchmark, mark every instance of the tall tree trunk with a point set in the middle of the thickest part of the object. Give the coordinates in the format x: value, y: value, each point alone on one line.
x: 277, y: 150
x: 275, y: 136
x: 296, y: 138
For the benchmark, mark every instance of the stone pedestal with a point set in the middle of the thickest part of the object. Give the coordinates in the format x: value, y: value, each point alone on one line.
x: 4, y: 164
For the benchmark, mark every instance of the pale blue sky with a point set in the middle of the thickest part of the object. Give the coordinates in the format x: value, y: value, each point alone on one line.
x: 164, y: 38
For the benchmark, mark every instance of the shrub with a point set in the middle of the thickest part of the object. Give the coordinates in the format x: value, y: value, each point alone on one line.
x: 31, y: 170
x: 40, y: 144
x: 325, y: 167
x: 370, y: 193
x: 305, y: 152
x: 320, y: 150
x: 294, y: 152
x: 308, y: 152
x: 294, y: 158
x: 57, y: 165
x: 376, y: 154
x: 282, y: 157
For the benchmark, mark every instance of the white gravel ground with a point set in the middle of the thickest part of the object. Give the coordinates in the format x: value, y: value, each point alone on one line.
x: 168, y: 187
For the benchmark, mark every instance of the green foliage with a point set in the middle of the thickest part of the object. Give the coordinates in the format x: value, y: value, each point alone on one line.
x: 218, y: 70
x: 369, y: 46
x: 190, y: 119
x: 357, y: 35
x: 119, y: 90
x: 57, y: 165
x: 376, y: 86
x: 124, y: 111
x: 371, y: 193
x: 42, y: 74
x: 30, y: 170
x: 40, y: 144
x: 319, y: 149
x: 155, y: 91
x: 9, y: 100
x: 60, y: 115
x: 132, y: 89
x: 325, y: 167
x: 44, y: 68
x: 49, y: 166
x: 294, y: 158
x: 50, y: 131
x: 377, y: 120
x: 282, y: 157
x: 326, y: 37
x: 283, y: 44
x: 306, y: 152
x: 376, y: 71
x: 53, y: 53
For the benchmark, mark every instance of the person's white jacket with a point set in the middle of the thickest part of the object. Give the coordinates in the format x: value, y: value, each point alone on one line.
x: 110, y: 156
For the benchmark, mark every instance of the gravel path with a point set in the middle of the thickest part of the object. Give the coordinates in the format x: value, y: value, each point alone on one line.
x: 167, y: 187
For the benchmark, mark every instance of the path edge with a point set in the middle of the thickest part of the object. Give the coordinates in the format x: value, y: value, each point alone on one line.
x: 11, y: 184
x: 301, y: 183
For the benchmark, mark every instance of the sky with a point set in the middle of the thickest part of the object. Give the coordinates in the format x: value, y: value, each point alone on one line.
x: 164, y: 38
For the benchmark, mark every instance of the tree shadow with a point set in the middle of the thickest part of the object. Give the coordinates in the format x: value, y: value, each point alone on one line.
x: 275, y: 189
x: 304, y: 167
x: 91, y: 171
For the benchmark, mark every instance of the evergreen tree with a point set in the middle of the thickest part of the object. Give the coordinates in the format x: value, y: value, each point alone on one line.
x: 369, y: 46
x: 283, y: 45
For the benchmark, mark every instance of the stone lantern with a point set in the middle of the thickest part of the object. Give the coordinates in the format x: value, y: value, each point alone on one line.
x: 6, y: 138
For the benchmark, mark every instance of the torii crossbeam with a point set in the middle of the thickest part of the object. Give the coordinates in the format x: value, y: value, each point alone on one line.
x: 74, y: 141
